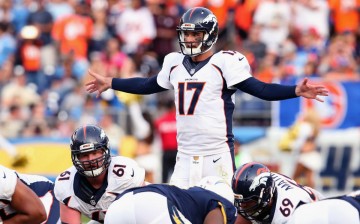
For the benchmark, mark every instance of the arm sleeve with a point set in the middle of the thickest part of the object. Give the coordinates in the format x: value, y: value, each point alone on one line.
x: 137, y: 85
x: 266, y: 91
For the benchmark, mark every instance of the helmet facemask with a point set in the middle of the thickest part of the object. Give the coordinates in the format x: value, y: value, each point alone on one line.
x: 88, y: 139
x: 254, y: 189
x: 253, y: 206
x: 94, y: 167
x: 203, y: 45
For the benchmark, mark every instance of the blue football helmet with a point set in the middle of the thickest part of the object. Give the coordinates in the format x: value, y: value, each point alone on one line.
x: 87, y: 139
x: 254, y: 189
x: 198, y: 19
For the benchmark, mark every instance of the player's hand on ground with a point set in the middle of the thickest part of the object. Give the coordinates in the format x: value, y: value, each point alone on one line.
x: 100, y: 83
x: 310, y: 91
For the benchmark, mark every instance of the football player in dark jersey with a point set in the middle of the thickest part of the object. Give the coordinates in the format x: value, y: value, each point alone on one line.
x: 210, y: 202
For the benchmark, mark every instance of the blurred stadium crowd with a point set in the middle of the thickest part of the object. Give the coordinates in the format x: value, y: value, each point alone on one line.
x: 47, y: 46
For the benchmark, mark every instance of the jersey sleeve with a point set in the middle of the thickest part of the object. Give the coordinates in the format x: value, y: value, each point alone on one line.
x: 163, y: 77
x: 8, y: 180
x: 236, y: 67
x: 32, y: 178
x: 126, y: 173
x: 63, y: 185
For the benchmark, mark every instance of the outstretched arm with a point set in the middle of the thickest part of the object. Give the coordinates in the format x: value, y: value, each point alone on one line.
x: 272, y: 91
x: 132, y: 85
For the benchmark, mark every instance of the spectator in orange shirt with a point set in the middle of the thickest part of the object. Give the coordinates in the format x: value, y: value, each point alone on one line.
x: 221, y: 11
x: 243, y: 17
x: 29, y: 55
x: 72, y: 32
x: 345, y: 15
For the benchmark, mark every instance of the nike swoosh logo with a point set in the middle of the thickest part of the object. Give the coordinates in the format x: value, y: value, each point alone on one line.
x: 132, y: 175
x: 4, y: 175
x: 240, y: 59
x: 215, y: 160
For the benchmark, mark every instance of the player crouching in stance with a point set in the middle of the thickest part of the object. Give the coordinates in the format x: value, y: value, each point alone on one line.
x: 44, y: 189
x: 209, y: 202
x: 335, y: 210
x: 18, y: 203
x: 262, y: 196
x: 96, y: 178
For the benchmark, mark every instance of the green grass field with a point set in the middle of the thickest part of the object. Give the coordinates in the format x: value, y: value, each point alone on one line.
x: 84, y: 219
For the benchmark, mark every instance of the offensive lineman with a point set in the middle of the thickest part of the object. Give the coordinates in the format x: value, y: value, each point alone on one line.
x: 262, y: 196
x: 96, y: 178
x: 204, y: 83
x: 26, y: 198
x: 340, y: 209
x: 211, y: 202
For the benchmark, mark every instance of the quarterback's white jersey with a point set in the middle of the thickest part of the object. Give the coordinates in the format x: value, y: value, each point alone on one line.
x: 289, y: 196
x: 204, y: 98
x: 8, y: 180
x: 74, y: 191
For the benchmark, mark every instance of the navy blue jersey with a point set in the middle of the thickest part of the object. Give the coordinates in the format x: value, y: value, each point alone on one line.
x: 194, y: 203
x: 40, y: 187
x: 44, y: 189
